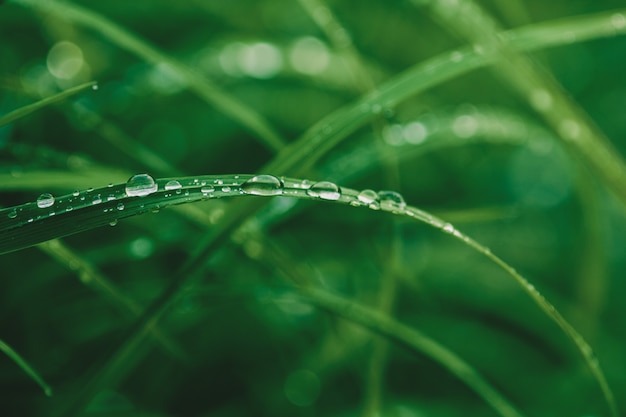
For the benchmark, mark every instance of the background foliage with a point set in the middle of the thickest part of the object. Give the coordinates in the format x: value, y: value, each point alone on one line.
x: 471, y: 150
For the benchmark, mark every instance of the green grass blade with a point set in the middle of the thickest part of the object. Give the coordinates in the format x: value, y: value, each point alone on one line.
x: 29, y: 224
x: 31, y: 108
x: 200, y: 85
x: 546, y: 96
x: 22, y: 363
x: 415, y: 340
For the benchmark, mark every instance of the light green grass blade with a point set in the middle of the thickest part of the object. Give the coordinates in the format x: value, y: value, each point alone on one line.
x: 331, y: 130
x: 200, y: 85
x: 32, y: 223
x: 415, y: 340
x: 22, y: 363
x: 26, y: 110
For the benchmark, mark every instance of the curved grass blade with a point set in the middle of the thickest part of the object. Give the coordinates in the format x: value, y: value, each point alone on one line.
x: 29, y: 224
x: 26, y: 110
x: 414, y: 340
x: 545, y: 95
x: 200, y: 85
x: 21, y: 362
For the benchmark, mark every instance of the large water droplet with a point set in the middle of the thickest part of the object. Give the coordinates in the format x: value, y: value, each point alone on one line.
x: 266, y: 185
x: 172, y: 185
x: 391, y: 200
x: 45, y: 200
x: 325, y: 190
x: 140, y: 185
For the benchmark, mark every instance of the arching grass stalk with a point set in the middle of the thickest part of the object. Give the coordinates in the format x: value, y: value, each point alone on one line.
x: 199, y: 84
x: 48, y: 218
x: 26, y: 110
x: 22, y: 363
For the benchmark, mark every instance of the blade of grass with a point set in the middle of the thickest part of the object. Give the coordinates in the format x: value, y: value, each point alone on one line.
x: 31, y: 108
x: 568, y: 120
x: 91, y: 277
x: 200, y: 85
x: 28, y: 224
x: 22, y: 363
x: 414, y: 340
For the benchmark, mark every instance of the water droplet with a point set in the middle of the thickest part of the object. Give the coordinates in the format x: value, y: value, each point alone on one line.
x: 368, y: 196
x: 111, y: 197
x: 391, y: 200
x: 207, y: 189
x: 69, y: 208
x: 45, y: 200
x: 97, y: 199
x: 540, y: 99
x: 94, y: 87
x: 76, y: 193
x: 172, y: 185
x: 113, y: 222
x: 120, y: 206
x: 265, y: 185
x: 448, y: 228
x: 12, y: 214
x: 140, y: 185
x: 325, y: 190
x: 226, y: 189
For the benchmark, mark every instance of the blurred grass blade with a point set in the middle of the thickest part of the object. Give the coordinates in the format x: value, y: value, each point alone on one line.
x: 26, y: 110
x: 414, y: 340
x: 21, y: 362
x: 200, y: 85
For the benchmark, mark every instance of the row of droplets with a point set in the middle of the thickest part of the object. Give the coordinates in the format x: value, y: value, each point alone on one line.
x: 141, y: 185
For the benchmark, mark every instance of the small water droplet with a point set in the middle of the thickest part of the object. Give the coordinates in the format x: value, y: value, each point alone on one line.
x: 45, y: 200
x: 94, y: 87
x: 172, y: 185
x: 448, y: 228
x: 110, y: 185
x: 111, y: 197
x: 226, y: 189
x: 391, y: 200
x: 76, y: 193
x: 12, y: 214
x: 120, y: 206
x: 207, y: 189
x: 325, y: 190
x: 265, y: 185
x: 97, y: 199
x: 113, y: 222
x: 69, y: 208
x: 140, y: 185
x: 368, y: 196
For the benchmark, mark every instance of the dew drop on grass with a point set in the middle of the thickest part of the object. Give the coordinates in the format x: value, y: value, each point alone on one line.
x: 120, y: 206
x: 45, y: 200
x: 368, y: 196
x: 391, y: 200
x: 325, y: 190
x: 207, y: 189
x: 226, y: 189
x: 172, y: 185
x: 97, y: 199
x: 12, y: 214
x: 140, y: 185
x: 266, y: 185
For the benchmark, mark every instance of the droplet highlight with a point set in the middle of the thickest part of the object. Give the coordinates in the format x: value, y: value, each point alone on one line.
x: 140, y: 185
x: 265, y: 185
x: 45, y: 200
x: 325, y: 190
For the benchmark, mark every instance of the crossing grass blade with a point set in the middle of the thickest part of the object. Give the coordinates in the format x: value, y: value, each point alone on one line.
x: 31, y: 108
